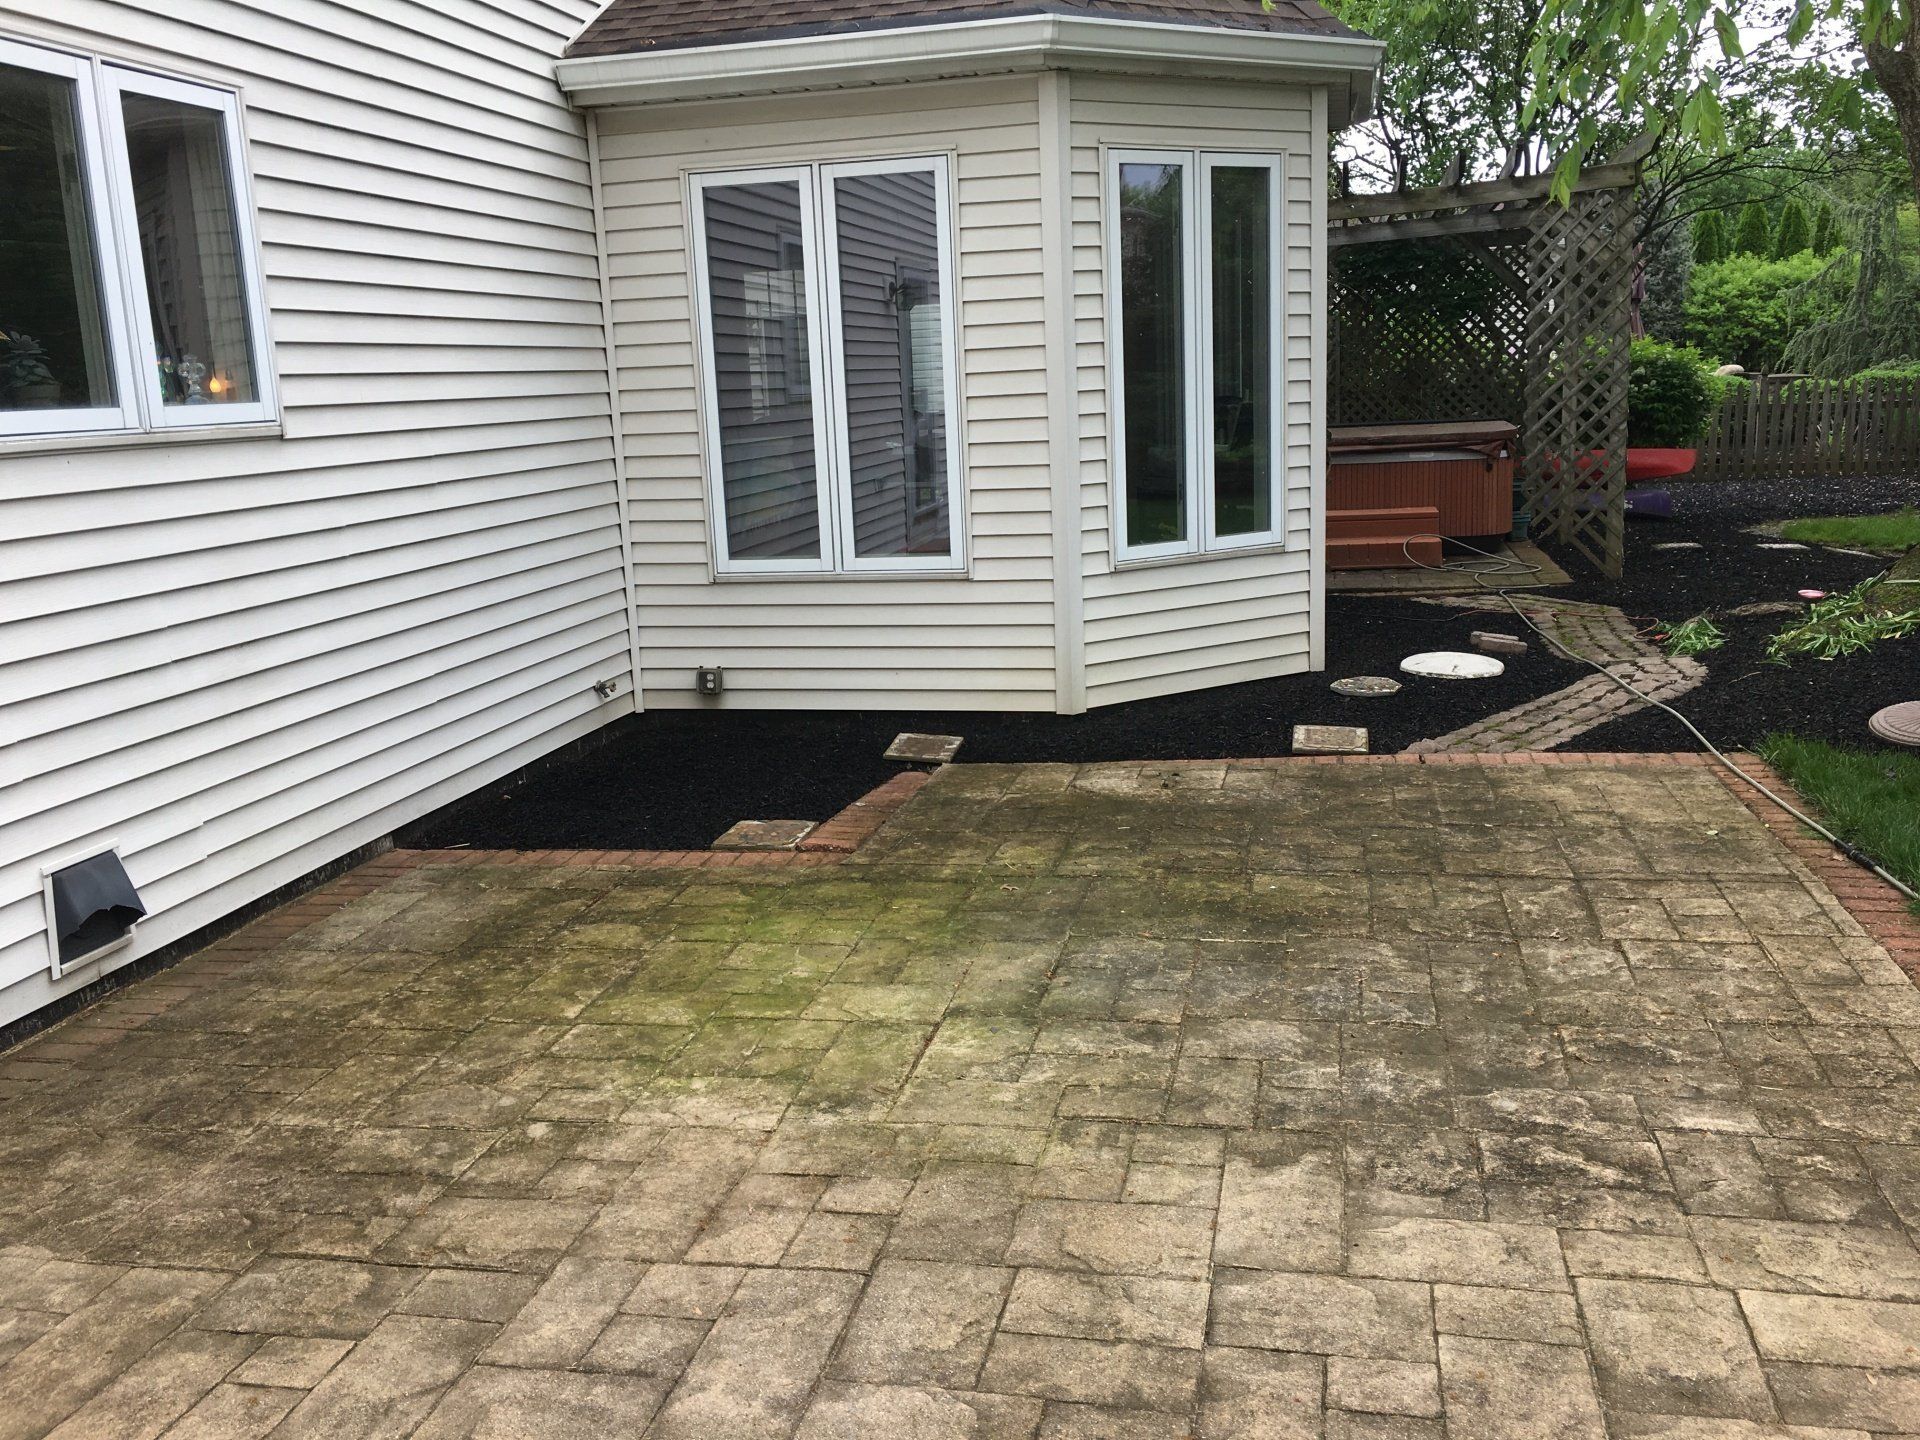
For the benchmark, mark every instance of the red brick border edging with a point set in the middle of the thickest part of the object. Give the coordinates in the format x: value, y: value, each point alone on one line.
x: 1877, y: 906
x: 1881, y: 910
x: 830, y: 843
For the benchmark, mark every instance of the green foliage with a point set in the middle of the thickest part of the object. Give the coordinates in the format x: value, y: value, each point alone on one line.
x: 1893, y: 534
x: 1826, y: 237
x: 1753, y: 234
x: 1692, y: 637
x: 1669, y: 399
x: 1710, y: 238
x: 1843, y: 625
x: 1793, y: 234
x: 1746, y: 309
x: 1863, y: 307
x: 1894, y: 370
x: 1868, y: 798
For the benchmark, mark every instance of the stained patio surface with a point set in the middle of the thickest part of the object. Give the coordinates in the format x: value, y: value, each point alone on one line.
x: 1226, y: 1101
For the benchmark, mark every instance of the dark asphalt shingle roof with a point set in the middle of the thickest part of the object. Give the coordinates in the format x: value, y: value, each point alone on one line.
x: 628, y: 26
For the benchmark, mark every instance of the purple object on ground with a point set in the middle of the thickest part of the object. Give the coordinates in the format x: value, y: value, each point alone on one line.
x: 1650, y: 501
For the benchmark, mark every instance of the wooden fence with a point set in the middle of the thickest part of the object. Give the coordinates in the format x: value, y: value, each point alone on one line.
x: 1811, y: 428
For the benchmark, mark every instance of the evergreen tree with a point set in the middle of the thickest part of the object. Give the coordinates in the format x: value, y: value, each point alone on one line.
x: 1709, y: 237
x: 1793, y: 234
x: 1753, y: 235
x: 1824, y: 238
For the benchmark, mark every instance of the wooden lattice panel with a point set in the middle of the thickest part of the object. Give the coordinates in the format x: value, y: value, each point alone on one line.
x: 1573, y: 474
x: 1423, y: 331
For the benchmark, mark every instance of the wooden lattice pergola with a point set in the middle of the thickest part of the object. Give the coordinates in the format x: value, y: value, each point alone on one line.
x: 1494, y: 301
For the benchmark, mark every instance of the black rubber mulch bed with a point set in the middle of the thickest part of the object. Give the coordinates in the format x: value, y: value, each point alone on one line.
x: 676, y: 779
x: 1745, y: 698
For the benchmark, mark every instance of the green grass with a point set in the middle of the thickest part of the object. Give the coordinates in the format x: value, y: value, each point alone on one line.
x: 1882, y: 534
x: 1693, y: 637
x: 1847, y: 624
x: 1869, y: 798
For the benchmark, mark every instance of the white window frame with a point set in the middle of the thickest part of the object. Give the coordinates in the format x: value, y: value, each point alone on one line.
x: 1196, y: 170
x: 801, y: 176
x: 117, y: 82
x: 127, y: 318
x: 827, y: 331
x: 109, y: 273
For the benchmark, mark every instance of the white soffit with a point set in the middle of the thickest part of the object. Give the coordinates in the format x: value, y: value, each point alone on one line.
x: 1345, y: 63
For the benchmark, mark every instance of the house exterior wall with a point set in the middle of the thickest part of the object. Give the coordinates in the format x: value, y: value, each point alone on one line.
x: 983, y: 640
x: 1044, y: 619
x: 245, y: 658
x: 1157, y: 628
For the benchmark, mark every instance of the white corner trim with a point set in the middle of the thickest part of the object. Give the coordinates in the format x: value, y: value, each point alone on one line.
x: 1063, y: 413
x: 616, y: 412
x: 975, y: 47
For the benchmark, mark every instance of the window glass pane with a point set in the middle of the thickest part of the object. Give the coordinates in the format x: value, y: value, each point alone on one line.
x: 1242, y: 258
x: 891, y: 309
x: 53, y: 340
x: 1153, y: 351
x: 189, y: 245
x: 763, y: 385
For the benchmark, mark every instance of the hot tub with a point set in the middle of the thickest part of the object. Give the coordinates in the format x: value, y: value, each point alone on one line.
x: 1461, y: 471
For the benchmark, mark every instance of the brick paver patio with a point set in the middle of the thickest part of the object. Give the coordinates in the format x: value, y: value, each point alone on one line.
x: 1228, y: 1101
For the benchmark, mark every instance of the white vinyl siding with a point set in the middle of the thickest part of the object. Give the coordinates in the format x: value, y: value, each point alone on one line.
x: 245, y: 658
x: 983, y: 640
x: 1213, y: 619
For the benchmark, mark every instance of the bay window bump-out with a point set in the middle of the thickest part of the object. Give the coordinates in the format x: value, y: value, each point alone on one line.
x: 129, y: 285
x: 1197, y: 349
x: 828, y: 365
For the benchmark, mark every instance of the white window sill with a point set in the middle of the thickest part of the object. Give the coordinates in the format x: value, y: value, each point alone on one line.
x: 1200, y: 557
x: 132, y: 439
x: 787, y: 577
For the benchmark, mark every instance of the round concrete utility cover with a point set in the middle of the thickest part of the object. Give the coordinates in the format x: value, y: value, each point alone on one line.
x: 1898, y: 724
x: 1452, y: 665
x: 1362, y: 685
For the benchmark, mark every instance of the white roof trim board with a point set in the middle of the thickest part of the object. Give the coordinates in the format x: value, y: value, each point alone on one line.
x: 977, y: 47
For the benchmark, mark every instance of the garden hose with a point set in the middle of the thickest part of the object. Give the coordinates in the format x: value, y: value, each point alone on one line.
x: 1510, y: 564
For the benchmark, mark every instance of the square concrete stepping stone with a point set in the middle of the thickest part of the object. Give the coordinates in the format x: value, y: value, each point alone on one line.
x: 1496, y: 643
x: 765, y: 835
x: 1329, y: 740
x: 924, y: 749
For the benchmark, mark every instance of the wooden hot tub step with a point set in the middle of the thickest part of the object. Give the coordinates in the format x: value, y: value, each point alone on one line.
x: 1380, y: 539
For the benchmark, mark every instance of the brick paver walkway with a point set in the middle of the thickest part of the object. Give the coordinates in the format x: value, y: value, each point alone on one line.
x: 1231, y: 1101
x: 1586, y: 631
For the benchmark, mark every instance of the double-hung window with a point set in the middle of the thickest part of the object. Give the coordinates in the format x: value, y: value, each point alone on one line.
x: 1196, y: 345
x: 129, y: 289
x: 827, y: 339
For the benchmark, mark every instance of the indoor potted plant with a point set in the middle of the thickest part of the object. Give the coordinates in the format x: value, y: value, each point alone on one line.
x: 24, y: 377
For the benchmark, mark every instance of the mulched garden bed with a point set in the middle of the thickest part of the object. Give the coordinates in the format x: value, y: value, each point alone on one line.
x: 1745, y: 698
x: 674, y: 779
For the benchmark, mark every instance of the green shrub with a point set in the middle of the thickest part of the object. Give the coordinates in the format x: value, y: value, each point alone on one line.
x: 1746, y: 308
x: 1793, y: 234
x: 1710, y: 238
x: 1669, y: 397
x: 1892, y: 370
x: 1826, y: 234
x: 1753, y: 233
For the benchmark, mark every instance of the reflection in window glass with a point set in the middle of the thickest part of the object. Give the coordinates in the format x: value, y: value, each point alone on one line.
x: 1242, y: 223
x: 1153, y: 356
x: 189, y: 246
x: 763, y: 381
x: 887, y: 231
x: 53, y: 341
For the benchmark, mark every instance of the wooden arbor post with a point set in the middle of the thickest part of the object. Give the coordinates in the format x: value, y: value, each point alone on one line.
x: 1573, y: 470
